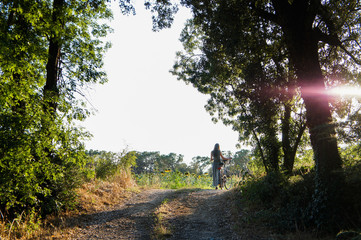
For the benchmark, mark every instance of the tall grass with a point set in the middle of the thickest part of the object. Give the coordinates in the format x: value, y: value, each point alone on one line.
x: 24, y: 226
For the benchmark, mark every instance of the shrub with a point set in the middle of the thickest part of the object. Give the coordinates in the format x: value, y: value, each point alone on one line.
x: 109, y: 164
x: 105, y: 167
x: 285, y: 201
x: 40, y: 171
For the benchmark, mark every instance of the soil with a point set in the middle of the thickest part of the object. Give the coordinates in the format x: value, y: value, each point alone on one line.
x: 185, y: 214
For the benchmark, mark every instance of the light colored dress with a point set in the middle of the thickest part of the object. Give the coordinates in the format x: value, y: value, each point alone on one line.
x: 216, y: 164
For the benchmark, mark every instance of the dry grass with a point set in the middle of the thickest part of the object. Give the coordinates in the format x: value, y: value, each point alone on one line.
x: 22, y: 227
x: 97, y: 195
x: 93, y: 196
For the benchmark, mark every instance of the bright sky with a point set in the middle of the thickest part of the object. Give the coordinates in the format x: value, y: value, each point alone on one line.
x: 145, y: 107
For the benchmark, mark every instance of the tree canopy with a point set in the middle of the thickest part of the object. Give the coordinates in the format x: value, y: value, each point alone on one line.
x: 268, y: 52
x: 49, y: 51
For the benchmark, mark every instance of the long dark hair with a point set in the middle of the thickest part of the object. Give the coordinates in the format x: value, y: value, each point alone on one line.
x: 216, y: 151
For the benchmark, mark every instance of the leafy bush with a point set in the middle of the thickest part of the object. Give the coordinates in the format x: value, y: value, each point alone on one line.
x: 109, y: 164
x: 266, y: 190
x: 105, y: 166
x: 40, y: 170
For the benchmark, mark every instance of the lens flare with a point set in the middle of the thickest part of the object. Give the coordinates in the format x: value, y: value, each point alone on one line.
x: 345, y: 91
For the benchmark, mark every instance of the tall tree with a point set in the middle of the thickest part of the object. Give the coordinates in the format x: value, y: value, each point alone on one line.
x: 244, y: 94
x: 48, y: 51
x: 318, y: 38
x: 146, y: 162
x: 239, y: 162
x: 296, y: 24
x: 51, y: 88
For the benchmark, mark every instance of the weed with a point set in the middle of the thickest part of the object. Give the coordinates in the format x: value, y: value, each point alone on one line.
x: 23, y: 226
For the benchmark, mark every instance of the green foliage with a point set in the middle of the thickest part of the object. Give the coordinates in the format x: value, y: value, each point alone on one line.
x: 34, y: 178
x: 128, y: 160
x: 199, y: 164
x: 304, y: 158
x: 352, y: 200
x: 109, y: 164
x: 351, y: 155
x: 243, y: 92
x: 154, y: 161
x: 286, y: 202
x: 255, y: 165
x: 42, y: 159
x: 163, y: 13
x: 264, y: 191
x: 105, y: 165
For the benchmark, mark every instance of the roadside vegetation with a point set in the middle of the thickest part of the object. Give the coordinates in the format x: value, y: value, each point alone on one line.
x: 278, y: 202
x: 285, y: 203
x: 106, y: 179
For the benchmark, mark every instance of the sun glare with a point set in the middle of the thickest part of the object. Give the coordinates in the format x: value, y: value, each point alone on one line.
x: 345, y: 91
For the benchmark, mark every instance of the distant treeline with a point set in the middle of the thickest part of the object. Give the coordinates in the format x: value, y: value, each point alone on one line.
x: 149, y: 162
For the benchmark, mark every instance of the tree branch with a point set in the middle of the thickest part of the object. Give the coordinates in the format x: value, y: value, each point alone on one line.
x: 264, y: 14
x: 298, y: 139
x: 332, y: 40
x: 357, y: 61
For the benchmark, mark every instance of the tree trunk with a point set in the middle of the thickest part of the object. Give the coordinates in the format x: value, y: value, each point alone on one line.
x: 318, y: 115
x: 329, y: 179
x: 273, y: 149
x: 259, y: 145
x: 297, y: 20
x: 51, y: 91
x: 288, y: 161
x: 290, y: 150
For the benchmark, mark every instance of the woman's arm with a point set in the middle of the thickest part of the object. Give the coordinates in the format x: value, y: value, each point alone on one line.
x: 225, y: 159
x: 211, y: 157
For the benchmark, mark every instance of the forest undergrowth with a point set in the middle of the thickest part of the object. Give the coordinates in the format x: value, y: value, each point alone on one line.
x: 285, y: 204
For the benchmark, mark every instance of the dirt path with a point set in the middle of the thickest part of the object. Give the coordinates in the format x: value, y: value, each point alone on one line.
x: 204, y: 214
x: 186, y: 214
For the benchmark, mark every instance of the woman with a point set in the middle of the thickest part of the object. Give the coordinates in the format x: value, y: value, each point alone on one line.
x: 216, y: 156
